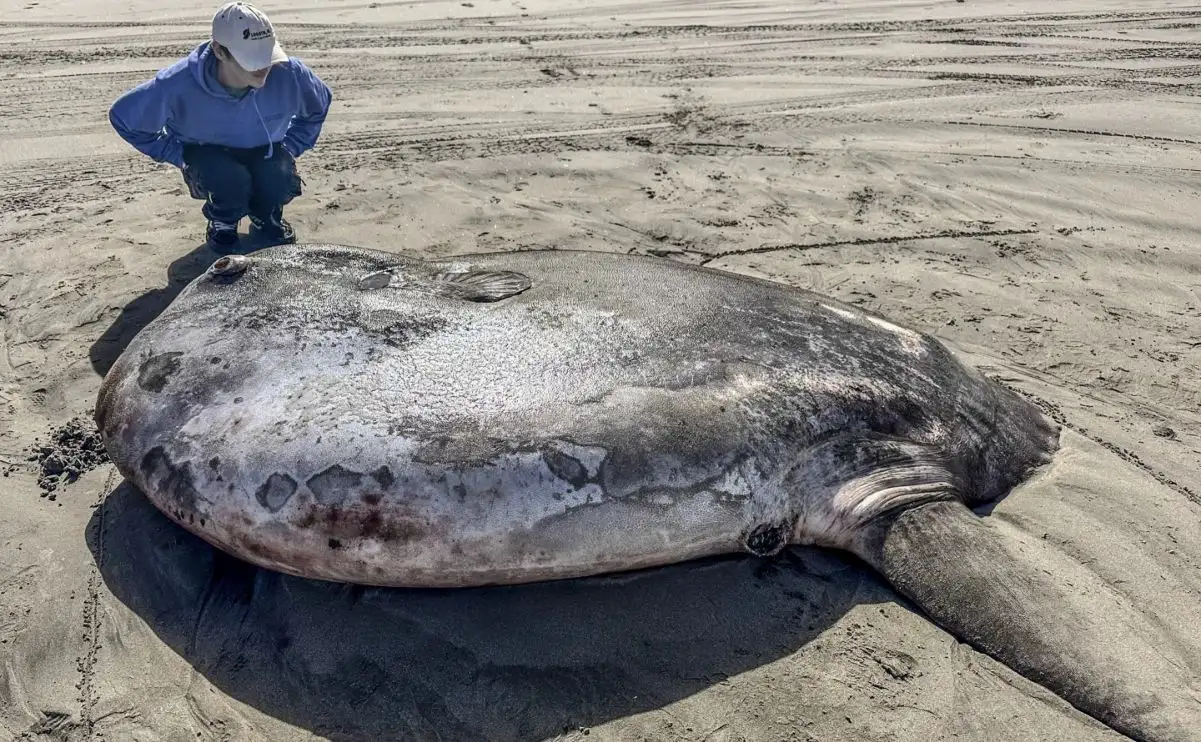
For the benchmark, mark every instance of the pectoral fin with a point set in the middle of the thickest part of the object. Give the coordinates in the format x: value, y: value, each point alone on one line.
x: 469, y: 285
x: 481, y: 285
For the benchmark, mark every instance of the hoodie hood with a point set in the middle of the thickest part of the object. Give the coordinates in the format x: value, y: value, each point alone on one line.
x: 202, y: 63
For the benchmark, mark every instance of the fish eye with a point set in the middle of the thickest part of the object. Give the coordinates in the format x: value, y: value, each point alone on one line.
x: 230, y: 265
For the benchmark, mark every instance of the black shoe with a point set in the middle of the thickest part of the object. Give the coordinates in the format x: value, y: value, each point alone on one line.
x: 279, y: 233
x: 222, y: 238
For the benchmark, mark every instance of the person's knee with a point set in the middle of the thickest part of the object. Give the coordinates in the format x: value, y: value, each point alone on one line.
x: 278, y: 181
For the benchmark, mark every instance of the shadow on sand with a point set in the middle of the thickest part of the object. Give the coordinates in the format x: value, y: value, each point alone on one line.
x: 525, y: 662
x: 142, y: 310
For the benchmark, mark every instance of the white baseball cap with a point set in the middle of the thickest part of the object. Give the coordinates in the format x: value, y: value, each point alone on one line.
x: 247, y: 33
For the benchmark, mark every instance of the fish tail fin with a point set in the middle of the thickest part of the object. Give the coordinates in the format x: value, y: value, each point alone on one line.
x: 972, y: 580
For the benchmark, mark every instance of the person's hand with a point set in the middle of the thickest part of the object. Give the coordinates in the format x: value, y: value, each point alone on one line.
x: 190, y: 181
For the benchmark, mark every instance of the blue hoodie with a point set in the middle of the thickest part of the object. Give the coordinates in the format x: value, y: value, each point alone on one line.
x: 186, y: 104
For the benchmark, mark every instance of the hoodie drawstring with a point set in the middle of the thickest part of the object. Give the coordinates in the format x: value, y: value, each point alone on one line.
x: 270, y: 144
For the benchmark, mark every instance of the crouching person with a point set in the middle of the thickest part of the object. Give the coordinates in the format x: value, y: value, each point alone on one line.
x: 233, y: 116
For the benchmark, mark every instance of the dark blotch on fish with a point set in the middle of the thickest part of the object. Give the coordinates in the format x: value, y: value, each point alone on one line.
x: 565, y: 467
x: 384, y: 476
x: 176, y: 480
x: 157, y: 369
x: 333, y: 484
x: 276, y: 491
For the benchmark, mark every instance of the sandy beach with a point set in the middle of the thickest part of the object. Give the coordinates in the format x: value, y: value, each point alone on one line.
x: 1018, y: 179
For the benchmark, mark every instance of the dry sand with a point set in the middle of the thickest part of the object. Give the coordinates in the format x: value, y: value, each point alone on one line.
x: 1019, y: 183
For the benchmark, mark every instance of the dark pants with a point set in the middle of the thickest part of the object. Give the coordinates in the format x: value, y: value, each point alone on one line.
x: 234, y: 183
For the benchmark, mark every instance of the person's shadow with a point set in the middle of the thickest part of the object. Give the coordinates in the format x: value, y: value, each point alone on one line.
x: 499, y: 663
x: 142, y: 310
